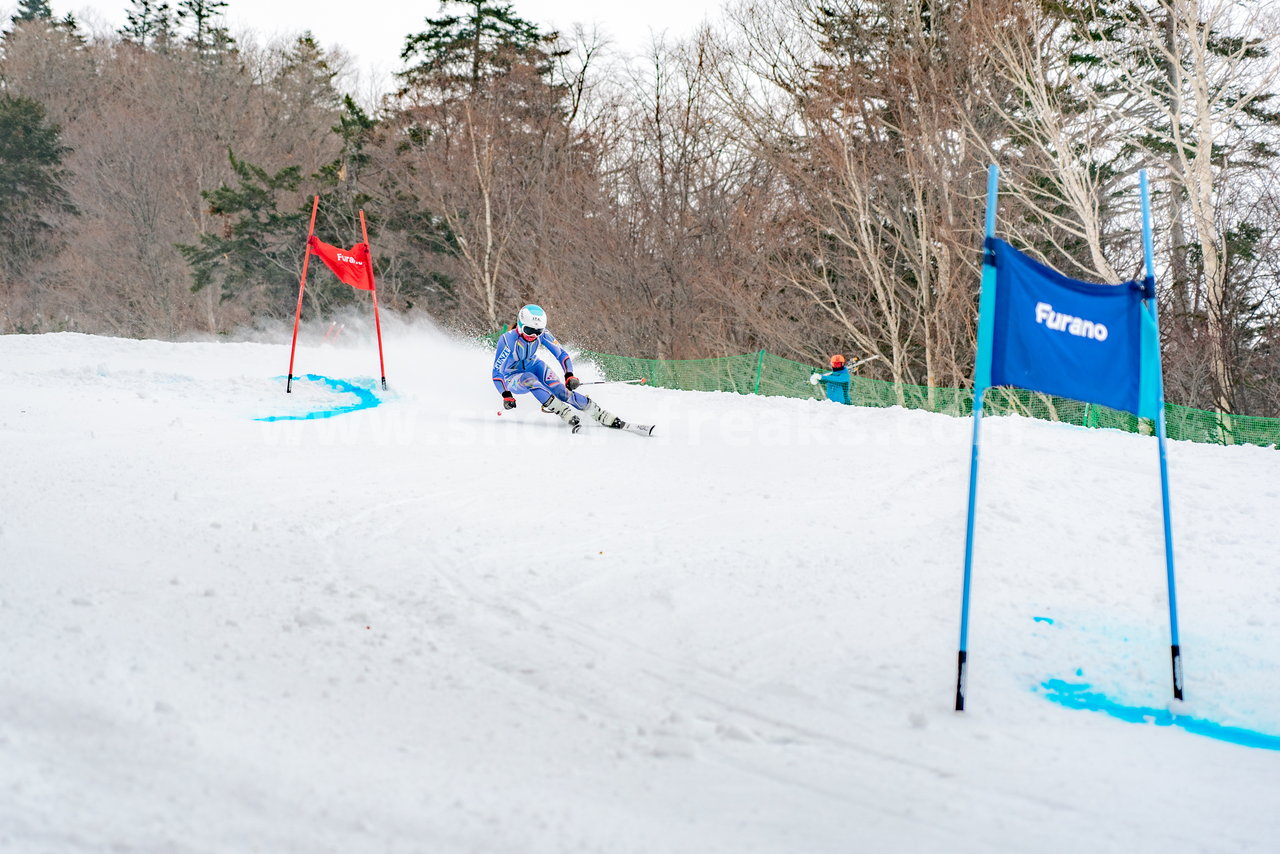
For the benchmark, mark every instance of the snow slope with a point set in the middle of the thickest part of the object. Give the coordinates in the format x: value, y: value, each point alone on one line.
x: 426, y: 627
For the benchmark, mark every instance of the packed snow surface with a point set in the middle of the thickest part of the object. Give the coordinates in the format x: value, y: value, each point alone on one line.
x: 420, y: 625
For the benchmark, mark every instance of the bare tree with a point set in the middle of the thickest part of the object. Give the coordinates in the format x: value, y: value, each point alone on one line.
x: 1202, y: 118
x: 872, y: 140
x: 148, y: 131
x: 1061, y: 158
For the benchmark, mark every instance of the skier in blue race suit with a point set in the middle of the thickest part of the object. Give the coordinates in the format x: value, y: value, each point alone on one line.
x: 836, y: 383
x: 518, y: 370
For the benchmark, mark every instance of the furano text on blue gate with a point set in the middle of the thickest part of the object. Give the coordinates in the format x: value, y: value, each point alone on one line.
x: 1069, y: 323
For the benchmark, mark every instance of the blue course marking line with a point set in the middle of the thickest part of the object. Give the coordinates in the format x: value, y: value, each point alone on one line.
x: 365, y: 399
x: 1077, y: 695
x: 1048, y: 620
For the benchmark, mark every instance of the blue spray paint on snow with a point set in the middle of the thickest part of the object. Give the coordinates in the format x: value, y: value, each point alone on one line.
x: 1078, y: 696
x: 365, y: 399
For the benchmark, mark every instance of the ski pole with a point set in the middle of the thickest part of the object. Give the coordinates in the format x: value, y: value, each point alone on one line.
x: 863, y: 361
x: 642, y: 380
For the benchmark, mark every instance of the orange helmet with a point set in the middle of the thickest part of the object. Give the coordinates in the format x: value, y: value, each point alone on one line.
x: 837, y: 362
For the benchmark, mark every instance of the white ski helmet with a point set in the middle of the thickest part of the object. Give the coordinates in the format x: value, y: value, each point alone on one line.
x: 531, y: 321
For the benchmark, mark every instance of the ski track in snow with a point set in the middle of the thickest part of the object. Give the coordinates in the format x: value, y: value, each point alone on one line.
x: 435, y: 626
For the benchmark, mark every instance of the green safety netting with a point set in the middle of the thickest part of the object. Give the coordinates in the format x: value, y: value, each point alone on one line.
x: 765, y: 373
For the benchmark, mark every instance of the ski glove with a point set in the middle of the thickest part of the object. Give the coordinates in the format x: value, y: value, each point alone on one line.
x: 508, y: 400
x: 571, y: 382
x: 813, y: 379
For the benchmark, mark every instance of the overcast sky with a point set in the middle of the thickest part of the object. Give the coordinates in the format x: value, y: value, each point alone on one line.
x: 374, y: 30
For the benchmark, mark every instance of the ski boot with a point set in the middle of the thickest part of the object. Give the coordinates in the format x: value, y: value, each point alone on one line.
x: 603, y: 416
x: 567, y: 413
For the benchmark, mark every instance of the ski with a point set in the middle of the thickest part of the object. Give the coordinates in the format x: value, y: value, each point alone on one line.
x: 638, y: 429
x: 575, y: 422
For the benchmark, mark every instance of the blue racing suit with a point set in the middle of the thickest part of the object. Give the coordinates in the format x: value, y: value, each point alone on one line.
x: 836, y: 385
x: 517, y: 369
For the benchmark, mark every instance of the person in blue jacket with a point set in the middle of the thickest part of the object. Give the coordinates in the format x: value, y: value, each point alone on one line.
x: 518, y: 370
x: 836, y: 383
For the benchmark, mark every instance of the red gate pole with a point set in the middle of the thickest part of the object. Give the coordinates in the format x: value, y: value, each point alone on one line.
x: 302, y: 284
x: 377, y: 324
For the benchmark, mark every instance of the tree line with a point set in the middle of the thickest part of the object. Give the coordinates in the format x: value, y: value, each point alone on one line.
x: 805, y: 176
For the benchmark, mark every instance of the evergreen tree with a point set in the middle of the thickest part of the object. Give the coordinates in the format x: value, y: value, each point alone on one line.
x: 256, y: 258
x: 354, y: 128
x: 261, y: 245
x: 479, y: 109
x: 33, y: 10
x: 306, y: 79
x: 207, y: 35
x: 150, y: 24
x: 457, y: 52
x: 38, y: 13
x: 31, y: 178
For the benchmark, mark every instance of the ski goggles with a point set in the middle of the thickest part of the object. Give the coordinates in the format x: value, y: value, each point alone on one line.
x: 531, y: 331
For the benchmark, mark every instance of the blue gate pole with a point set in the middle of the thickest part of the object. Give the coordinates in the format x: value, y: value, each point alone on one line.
x: 981, y: 379
x: 962, y: 663
x: 1148, y: 257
